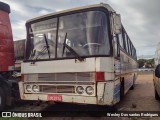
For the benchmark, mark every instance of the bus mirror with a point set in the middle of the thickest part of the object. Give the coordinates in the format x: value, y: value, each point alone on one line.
x: 157, y: 71
x: 117, y: 23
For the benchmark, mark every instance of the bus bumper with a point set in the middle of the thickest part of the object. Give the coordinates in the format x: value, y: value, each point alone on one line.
x: 65, y: 98
x: 104, y: 96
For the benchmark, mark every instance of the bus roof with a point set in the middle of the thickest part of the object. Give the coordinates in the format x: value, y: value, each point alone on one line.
x: 108, y: 7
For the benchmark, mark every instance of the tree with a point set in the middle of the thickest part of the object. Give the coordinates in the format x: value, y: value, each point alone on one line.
x: 141, y: 62
x: 150, y: 63
x: 147, y: 63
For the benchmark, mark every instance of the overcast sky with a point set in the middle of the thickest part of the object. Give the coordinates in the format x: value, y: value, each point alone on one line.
x: 140, y: 18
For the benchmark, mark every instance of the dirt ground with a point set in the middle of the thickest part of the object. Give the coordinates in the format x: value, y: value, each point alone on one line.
x: 142, y: 97
x: 139, y: 99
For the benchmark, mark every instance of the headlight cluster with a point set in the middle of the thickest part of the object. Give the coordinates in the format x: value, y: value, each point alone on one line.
x: 89, y: 90
x: 32, y: 88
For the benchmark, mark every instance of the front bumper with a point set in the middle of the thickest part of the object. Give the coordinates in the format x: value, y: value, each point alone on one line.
x: 99, y: 99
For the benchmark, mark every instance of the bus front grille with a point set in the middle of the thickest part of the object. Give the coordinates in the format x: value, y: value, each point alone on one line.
x: 56, y: 89
x: 65, y: 77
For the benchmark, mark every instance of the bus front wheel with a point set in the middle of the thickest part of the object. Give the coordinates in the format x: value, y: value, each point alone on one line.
x: 122, y: 90
x: 132, y: 87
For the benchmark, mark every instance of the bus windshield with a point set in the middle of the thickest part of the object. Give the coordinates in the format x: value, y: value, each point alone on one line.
x: 87, y: 35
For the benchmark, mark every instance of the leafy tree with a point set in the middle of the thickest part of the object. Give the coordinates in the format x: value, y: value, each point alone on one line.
x: 150, y: 63
x: 141, y: 62
x: 147, y: 63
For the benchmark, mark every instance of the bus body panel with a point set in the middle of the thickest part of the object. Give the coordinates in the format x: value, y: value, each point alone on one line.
x: 128, y: 70
x: 104, y: 64
x: 107, y: 94
x: 6, y: 43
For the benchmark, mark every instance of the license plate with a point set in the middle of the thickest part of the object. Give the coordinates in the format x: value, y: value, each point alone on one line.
x: 55, y: 98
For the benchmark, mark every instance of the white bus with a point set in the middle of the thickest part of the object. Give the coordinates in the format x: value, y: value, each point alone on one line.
x: 80, y: 55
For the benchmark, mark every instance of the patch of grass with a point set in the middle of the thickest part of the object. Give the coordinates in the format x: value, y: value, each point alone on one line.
x: 16, y: 118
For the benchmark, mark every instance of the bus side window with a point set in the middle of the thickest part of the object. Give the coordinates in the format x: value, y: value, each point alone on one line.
x: 124, y: 39
x: 129, y: 46
x: 116, y: 44
x: 126, y: 43
x: 131, y: 50
x: 134, y: 54
x: 120, y: 38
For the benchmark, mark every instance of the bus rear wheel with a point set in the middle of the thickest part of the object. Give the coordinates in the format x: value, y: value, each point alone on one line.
x: 2, y: 99
x: 132, y: 87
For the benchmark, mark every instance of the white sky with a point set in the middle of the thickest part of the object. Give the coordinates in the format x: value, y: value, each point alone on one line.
x: 140, y: 18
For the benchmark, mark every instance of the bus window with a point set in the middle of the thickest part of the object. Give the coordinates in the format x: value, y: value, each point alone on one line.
x: 87, y: 33
x: 117, y: 52
x: 120, y: 37
x: 129, y: 48
x: 126, y: 42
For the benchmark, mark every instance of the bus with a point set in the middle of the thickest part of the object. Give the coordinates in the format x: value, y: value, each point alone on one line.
x: 156, y: 75
x: 81, y: 55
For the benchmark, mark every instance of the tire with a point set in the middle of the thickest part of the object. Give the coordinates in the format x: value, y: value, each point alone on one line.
x: 157, y: 97
x: 133, y: 86
x: 122, y: 90
x: 2, y: 99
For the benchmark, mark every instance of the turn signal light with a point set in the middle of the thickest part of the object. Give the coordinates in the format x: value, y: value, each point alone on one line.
x: 100, y: 76
x: 22, y: 77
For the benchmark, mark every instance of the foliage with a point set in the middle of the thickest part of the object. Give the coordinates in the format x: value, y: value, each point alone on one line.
x: 146, y: 63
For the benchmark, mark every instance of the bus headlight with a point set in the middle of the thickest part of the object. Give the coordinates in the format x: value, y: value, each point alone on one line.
x: 80, y: 90
x: 89, y: 90
x: 35, y: 88
x: 28, y: 88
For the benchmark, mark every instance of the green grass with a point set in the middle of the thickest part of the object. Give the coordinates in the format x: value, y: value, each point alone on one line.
x: 16, y: 118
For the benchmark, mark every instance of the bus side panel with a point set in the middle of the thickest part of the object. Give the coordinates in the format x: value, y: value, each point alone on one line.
x: 128, y: 82
x: 100, y: 92
x: 109, y: 93
x: 112, y: 92
x: 116, y: 97
x: 128, y: 70
x: 105, y: 64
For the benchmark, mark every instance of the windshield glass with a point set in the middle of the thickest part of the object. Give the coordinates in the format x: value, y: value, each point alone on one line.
x: 87, y: 35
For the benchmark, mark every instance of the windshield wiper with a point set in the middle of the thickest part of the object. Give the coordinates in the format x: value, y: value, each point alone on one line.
x: 47, y: 46
x: 42, y: 52
x: 71, y: 50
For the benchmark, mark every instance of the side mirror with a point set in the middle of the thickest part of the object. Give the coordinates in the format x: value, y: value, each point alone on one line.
x: 117, y: 23
x: 157, y: 71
